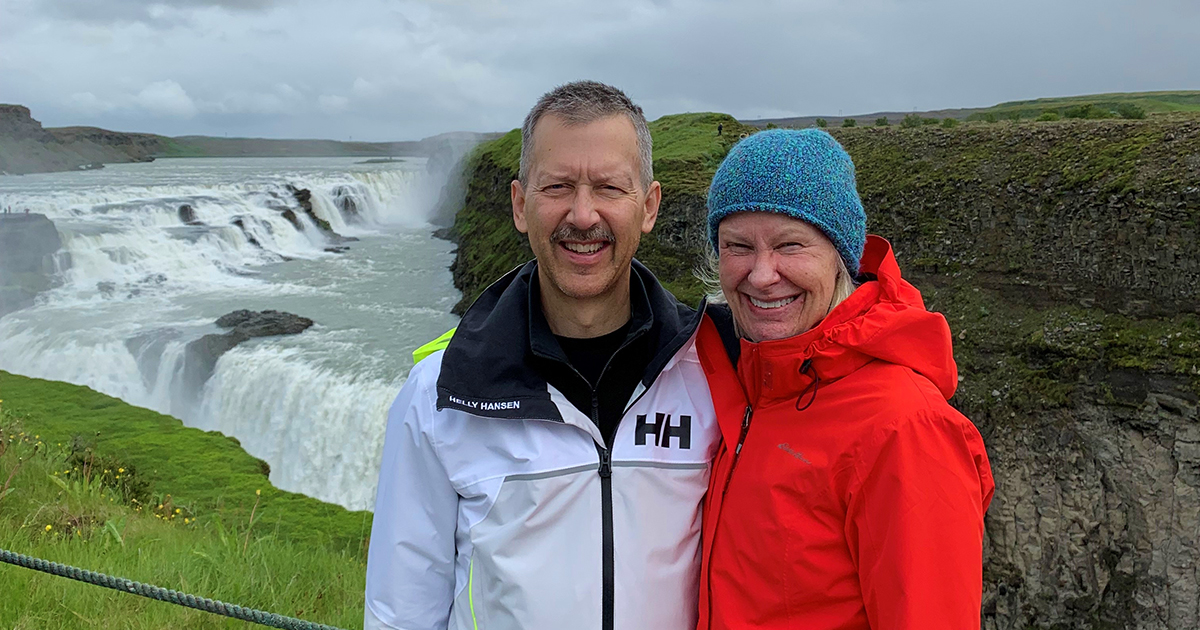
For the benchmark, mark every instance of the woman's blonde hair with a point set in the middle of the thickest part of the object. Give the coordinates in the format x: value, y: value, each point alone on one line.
x: 709, y: 275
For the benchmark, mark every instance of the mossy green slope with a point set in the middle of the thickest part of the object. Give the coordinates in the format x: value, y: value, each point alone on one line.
x: 204, y: 471
x: 1148, y: 102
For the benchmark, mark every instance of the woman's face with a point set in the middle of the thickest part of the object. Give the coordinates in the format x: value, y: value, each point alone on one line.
x: 777, y: 272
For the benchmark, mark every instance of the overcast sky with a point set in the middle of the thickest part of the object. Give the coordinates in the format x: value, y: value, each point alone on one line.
x: 396, y: 69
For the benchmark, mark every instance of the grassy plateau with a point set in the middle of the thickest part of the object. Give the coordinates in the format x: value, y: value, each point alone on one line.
x: 90, y: 481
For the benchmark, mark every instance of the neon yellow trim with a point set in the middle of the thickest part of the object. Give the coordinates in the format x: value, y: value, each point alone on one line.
x: 433, y: 346
x: 471, y: 589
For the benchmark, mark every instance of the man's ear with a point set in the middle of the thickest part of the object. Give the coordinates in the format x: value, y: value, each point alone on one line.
x: 653, y: 201
x: 518, y: 206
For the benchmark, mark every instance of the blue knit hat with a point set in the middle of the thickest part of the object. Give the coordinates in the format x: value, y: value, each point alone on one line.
x: 805, y: 174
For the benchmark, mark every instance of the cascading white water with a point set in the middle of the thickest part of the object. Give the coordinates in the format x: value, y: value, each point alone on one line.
x: 138, y: 284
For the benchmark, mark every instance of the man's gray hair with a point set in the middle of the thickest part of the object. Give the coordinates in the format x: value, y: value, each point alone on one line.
x: 580, y: 103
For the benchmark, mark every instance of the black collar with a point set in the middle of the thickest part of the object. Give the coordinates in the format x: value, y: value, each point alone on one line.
x: 487, y: 369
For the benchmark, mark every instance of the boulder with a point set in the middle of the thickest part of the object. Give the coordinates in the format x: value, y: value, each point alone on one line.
x: 264, y: 323
x: 293, y: 219
x: 202, y: 354
x: 187, y: 214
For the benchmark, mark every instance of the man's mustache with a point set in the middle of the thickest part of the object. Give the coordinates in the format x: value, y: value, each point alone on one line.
x: 571, y: 233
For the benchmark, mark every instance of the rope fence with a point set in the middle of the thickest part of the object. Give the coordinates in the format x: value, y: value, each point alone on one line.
x: 161, y: 594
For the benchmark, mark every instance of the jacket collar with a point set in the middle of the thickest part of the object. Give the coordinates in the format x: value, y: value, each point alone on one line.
x: 541, y: 339
x: 487, y: 369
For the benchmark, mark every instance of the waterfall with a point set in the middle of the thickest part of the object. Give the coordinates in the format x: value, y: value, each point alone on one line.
x: 146, y: 269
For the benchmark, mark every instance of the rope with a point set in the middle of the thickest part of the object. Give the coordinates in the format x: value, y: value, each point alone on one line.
x: 161, y: 594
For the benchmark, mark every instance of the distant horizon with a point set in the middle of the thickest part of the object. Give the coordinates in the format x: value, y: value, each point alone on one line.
x: 839, y: 116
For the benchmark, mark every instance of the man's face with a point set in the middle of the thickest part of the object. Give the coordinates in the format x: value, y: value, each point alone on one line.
x: 583, y: 206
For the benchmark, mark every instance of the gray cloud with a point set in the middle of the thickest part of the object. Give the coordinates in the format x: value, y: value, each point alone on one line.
x: 395, y: 69
x: 158, y: 13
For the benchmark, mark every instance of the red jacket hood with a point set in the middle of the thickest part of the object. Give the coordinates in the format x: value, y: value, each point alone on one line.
x: 882, y: 320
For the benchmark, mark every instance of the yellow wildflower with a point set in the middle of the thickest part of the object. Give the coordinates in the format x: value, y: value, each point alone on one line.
x: 258, y: 493
x: 49, y: 527
x: 177, y: 510
x: 120, y: 470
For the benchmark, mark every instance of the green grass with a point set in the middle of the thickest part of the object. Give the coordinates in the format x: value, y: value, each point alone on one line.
x: 1150, y: 102
x: 204, y: 470
x: 64, y: 502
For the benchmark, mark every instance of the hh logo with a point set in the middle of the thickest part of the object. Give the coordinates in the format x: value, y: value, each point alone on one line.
x: 663, y: 431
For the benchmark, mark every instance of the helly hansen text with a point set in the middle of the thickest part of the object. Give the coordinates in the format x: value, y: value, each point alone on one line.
x: 487, y: 405
x: 663, y: 431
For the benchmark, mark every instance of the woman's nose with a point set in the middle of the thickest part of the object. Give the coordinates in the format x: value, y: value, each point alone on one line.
x: 764, y: 273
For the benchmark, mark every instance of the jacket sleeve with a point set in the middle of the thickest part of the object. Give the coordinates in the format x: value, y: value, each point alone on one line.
x: 410, y: 563
x: 914, y: 523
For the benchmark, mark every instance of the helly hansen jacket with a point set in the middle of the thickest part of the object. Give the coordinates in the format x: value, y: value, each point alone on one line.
x: 500, y: 505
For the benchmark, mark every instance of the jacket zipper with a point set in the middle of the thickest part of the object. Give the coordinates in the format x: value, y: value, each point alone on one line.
x: 606, y: 503
x: 608, y: 561
x: 737, y: 453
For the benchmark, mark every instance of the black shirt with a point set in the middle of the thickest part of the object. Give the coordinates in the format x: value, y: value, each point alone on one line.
x: 590, y: 356
x: 577, y: 367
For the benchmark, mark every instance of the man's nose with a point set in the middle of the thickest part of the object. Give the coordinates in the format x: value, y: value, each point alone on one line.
x: 765, y: 271
x: 583, y: 213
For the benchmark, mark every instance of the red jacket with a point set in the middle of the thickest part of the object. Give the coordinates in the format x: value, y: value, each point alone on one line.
x: 848, y: 493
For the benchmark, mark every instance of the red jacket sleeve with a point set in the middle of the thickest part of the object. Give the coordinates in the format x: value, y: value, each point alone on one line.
x: 914, y: 522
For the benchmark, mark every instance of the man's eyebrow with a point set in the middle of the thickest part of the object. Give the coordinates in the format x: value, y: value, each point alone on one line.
x: 622, y: 179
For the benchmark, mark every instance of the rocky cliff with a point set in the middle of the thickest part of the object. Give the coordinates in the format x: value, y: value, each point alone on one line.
x: 1064, y: 255
x: 29, y: 245
x: 25, y: 147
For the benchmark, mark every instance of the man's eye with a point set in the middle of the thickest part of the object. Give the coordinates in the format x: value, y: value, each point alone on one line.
x: 555, y: 187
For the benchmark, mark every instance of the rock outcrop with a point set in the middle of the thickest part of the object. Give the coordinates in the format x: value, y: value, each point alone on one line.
x: 343, y: 198
x: 1064, y: 256
x: 29, y: 244
x: 187, y: 214
x: 202, y: 354
x: 25, y: 147
x: 303, y: 197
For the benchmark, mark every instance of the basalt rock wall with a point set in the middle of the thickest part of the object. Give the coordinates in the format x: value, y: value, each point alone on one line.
x: 1064, y: 256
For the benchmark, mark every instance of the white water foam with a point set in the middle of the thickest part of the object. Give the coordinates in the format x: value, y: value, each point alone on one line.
x: 308, y: 422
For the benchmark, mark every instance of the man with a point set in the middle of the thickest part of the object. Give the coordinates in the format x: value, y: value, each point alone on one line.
x: 546, y: 470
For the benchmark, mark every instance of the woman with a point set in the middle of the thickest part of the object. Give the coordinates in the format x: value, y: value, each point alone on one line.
x: 847, y: 493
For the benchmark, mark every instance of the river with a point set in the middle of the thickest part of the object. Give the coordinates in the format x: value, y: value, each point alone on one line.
x: 138, y: 285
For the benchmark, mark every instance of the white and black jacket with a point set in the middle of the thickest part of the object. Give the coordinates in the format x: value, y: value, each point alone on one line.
x: 499, y: 505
